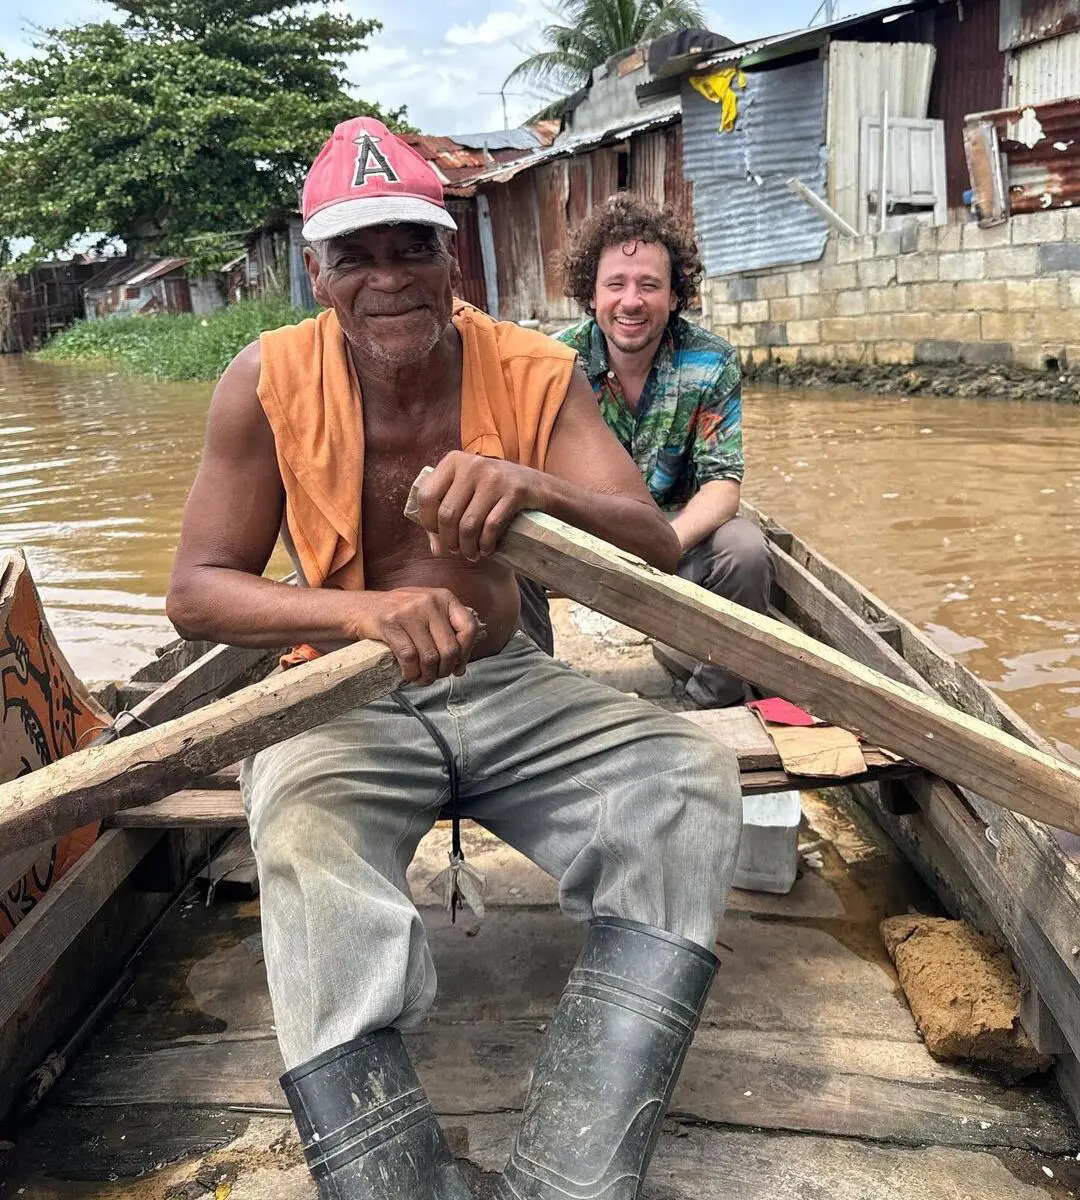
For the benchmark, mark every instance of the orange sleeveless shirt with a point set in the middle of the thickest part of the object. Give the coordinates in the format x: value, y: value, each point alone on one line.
x: 513, y: 383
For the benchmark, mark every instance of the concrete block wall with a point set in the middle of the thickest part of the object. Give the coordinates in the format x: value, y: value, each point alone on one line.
x: 951, y: 293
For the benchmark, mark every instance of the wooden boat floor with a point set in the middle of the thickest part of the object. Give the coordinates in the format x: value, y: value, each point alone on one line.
x: 807, y: 1079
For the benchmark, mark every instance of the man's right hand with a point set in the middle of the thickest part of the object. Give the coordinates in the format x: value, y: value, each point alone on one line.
x: 430, y: 632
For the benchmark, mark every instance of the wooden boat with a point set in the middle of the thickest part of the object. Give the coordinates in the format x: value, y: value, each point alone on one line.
x: 807, y: 1078
x: 73, y: 911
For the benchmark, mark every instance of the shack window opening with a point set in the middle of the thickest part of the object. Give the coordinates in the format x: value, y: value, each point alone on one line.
x: 131, y: 293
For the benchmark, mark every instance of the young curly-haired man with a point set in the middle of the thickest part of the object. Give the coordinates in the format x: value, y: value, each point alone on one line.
x: 670, y: 391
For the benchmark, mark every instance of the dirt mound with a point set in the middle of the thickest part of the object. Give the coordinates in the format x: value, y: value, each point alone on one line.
x: 963, y: 993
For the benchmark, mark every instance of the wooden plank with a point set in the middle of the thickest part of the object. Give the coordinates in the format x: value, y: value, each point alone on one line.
x: 194, y: 807
x: 147, y: 765
x: 1067, y: 1073
x: 742, y: 732
x: 14, y: 865
x: 35, y: 944
x: 730, y: 1078
x: 232, y: 870
x: 704, y: 1163
x: 78, y: 979
x: 926, y: 851
x: 920, y: 727
x: 101, y: 780
x: 1038, y: 1022
x: 224, y: 809
x: 214, y: 673
x: 816, y: 611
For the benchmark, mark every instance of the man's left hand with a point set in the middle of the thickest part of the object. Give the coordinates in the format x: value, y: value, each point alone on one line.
x: 467, y: 502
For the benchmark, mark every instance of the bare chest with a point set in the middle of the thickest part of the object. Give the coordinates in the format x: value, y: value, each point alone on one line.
x: 394, y: 454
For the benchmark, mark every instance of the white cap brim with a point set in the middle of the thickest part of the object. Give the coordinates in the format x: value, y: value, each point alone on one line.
x: 336, y: 220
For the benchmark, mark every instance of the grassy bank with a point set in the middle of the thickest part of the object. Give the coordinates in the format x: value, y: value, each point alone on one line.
x: 172, y: 347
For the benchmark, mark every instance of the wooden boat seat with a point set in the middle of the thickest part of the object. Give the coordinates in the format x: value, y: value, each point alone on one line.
x: 217, y: 803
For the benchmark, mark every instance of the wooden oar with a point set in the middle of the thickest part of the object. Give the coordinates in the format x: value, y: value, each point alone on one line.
x: 787, y: 662
x: 92, y: 783
x: 147, y: 766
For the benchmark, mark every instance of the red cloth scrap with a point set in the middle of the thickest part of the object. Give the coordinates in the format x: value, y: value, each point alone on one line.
x: 781, y: 712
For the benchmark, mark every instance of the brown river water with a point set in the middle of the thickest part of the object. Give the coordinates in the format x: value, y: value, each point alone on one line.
x: 964, y: 515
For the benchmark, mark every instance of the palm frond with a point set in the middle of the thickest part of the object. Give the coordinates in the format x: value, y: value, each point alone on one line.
x: 586, y: 33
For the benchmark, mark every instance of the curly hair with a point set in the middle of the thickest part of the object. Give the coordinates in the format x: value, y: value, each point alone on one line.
x: 626, y: 218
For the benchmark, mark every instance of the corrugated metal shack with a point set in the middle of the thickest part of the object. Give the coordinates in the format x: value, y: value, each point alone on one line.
x: 41, y: 302
x: 623, y: 131
x: 1035, y: 125
x: 799, y: 117
x: 525, y: 211
x: 460, y: 159
x: 802, y: 106
x: 263, y: 265
x: 125, y: 288
x: 809, y: 107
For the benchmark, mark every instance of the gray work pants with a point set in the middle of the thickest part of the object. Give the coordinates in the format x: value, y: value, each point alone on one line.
x: 733, y: 562
x: 633, y: 810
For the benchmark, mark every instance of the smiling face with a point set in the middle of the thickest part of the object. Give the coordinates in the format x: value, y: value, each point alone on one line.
x: 390, y: 286
x: 632, y: 297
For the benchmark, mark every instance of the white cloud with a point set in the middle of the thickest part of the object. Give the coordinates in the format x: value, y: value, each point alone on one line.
x: 380, y: 56
x: 495, y: 27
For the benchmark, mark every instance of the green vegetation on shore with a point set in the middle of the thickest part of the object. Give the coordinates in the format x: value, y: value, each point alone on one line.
x: 173, y: 347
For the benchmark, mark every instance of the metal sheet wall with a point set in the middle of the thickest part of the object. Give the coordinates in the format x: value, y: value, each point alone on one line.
x: 744, y: 215
x: 605, y: 174
x: 552, y: 190
x: 533, y: 213
x: 1041, y: 144
x: 528, y: 223
x: 1027, y: 21
x: 517, y: 250
x: 648, y: 162
x: 579, y: 200
x: 859, y: 72
x: 1045, y: 72
x: 678, y: 190
x: 968, y: 78
x: 470, y: 258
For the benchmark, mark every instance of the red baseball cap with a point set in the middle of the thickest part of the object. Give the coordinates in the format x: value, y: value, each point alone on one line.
x: 365, y: 175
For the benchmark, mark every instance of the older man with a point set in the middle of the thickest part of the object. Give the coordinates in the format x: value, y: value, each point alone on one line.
x: 318, y: 431
x: 670, y: 392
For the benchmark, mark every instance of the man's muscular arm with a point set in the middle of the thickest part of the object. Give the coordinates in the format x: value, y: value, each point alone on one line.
x: 590, y: 481
x: 230, y: 525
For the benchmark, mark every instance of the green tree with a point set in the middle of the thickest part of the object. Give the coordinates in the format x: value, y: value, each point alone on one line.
x: 588, y: 32
x: 183, y: 118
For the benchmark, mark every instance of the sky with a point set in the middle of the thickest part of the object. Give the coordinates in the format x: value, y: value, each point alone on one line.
x: 438, y: 57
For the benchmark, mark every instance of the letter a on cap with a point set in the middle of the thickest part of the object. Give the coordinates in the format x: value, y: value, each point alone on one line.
x: 370, y: 160
x: 363, y: 176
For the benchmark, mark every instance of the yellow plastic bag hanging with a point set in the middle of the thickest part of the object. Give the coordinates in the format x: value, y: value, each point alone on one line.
x: 719, y: 88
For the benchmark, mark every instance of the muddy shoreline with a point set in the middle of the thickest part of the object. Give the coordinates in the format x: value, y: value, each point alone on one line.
x: 962, y: 380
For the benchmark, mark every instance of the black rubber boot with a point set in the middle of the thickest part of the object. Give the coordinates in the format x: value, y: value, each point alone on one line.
x: 608, y: 1065
x: 367, y: 1126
